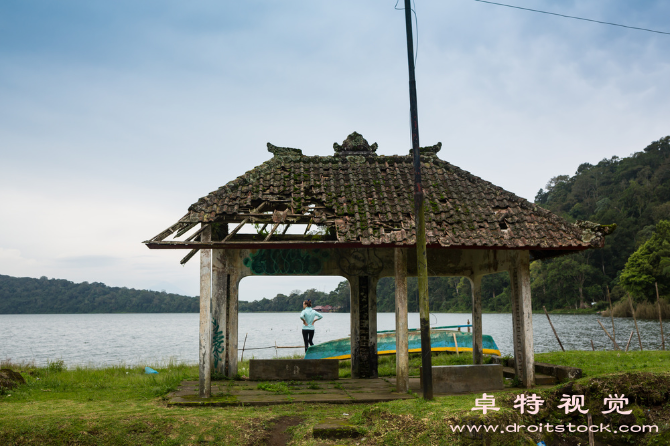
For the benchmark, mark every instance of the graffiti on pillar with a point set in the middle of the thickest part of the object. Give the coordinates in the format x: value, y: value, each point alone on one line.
x: 357, y: 262
x: 218, y: 344
x: 286, y: 261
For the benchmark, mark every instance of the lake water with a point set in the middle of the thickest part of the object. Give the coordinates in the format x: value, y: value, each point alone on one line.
x: 139, y: 339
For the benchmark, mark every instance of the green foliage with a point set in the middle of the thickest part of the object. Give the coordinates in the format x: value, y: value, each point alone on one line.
x: 649, y: 264
x: 634, y: 193
x: 24, y: 295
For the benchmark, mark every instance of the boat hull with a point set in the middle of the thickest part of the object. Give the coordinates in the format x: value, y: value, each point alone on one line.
x: 440, y: 341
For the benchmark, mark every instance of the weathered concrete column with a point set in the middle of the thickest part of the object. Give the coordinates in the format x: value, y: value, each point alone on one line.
x: 220, y: 290
x: 230, y: 354
x: 477, y: 343
x: 363, y: 327
x: 205, y: 339
x: 522, y: 318
x: 402, y: 355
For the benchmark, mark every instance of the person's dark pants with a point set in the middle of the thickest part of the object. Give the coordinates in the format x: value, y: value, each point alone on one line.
x: 307, y: 336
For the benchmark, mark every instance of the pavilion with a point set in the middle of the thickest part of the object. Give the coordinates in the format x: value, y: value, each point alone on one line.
x: 362, y: 205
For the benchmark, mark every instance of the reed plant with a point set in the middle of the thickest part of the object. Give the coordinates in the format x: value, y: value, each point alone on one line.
x: 643, y: 310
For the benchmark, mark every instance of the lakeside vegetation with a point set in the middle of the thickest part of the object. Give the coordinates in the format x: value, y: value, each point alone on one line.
x: 25, y: 295
x: 122, y: 405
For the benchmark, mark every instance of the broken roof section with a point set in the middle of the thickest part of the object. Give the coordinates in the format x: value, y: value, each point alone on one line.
x: 362, y: 199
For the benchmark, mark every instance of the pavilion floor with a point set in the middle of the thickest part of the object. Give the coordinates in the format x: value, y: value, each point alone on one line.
x: 252, y: 393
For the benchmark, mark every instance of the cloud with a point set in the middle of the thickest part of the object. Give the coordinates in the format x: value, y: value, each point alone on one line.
x: 117, y: 116
x: 12, y: 263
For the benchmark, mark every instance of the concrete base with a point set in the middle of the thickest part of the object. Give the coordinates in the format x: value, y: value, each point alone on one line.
x: 335, y: 429
x: 450, y: 379
x: 560, y: 372
x: 293, y: 369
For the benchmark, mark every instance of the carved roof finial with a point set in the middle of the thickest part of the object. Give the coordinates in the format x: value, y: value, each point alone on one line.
x: 355, y: 144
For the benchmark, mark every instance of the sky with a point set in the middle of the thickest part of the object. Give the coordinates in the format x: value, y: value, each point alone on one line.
x: 116, y: 116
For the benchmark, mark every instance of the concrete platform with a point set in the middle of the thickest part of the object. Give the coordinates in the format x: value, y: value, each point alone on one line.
x: 472, y: 378
x: 248, y: 393
x: 294, y: 369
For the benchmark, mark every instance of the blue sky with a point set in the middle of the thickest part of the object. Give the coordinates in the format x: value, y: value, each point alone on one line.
x: 116, y: 116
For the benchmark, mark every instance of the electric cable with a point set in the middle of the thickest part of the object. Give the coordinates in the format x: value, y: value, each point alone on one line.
x: 573, y: 17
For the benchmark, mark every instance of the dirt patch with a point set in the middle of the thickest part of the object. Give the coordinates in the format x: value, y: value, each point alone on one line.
x: 10, y: 379
x: 277, y: 434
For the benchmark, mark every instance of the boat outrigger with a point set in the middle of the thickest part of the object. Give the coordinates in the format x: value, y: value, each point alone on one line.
x: 442, y: 339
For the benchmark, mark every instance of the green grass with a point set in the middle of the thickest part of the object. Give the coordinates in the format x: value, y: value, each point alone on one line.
x: 121, y: 405
x: 605, y: 362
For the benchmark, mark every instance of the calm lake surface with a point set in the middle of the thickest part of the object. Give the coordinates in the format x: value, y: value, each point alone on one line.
x: 142, y: 339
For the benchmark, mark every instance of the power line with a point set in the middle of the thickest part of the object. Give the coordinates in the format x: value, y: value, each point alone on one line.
x: 573, y: 17
x: 416, y: 23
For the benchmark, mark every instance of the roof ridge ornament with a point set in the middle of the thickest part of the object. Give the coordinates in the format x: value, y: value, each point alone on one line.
x: 355, y: 144
x: 428, y: 151
x: 283, y: 151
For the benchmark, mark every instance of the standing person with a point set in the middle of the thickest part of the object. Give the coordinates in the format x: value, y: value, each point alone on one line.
x: 308, y: 317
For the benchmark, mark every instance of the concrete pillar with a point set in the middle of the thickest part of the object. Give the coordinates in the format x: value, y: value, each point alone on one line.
x: 477, y: 343
x: 522, y: 318
x: 363, y: 327
x: 402, y: 355
x: 220, y: 289
x: 231, y: 326
x: 205, y: 338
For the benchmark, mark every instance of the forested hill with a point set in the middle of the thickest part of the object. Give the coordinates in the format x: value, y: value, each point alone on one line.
x: 634, y: 193
x: 24, y: 295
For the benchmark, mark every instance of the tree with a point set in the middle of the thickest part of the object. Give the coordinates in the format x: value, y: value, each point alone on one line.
x: 649, y: 264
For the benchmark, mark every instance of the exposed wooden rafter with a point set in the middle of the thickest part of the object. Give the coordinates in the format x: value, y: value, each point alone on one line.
x: 244, y: 222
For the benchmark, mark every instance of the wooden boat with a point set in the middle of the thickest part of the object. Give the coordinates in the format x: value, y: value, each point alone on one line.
x: 442, y: 339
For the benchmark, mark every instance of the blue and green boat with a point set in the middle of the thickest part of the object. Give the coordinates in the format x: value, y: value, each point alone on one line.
x: 442, y: 339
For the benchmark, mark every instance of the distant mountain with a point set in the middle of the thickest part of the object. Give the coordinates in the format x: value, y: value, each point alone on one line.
x: 24, y: 295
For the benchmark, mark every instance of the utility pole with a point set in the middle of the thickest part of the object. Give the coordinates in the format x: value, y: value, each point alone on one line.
x: 420, y: 219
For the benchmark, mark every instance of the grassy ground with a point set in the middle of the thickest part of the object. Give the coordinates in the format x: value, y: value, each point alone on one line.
x: 120, y: 405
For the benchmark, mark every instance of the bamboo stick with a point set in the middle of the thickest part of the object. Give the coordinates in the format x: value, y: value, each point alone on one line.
x: 456, y: 343
x: 660, y: 318
x: 244, y: 345
x: 592, y: 346
x: 616, y: 346
x: 592, y: 440
x: 630, y: 301
x: 552, y: 327
x: 631, y: 337
x: 611, y: 311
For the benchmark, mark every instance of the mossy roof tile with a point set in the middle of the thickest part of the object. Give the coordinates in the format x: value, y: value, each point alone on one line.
x: 372, y: 196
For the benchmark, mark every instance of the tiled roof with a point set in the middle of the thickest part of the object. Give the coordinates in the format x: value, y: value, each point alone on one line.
x: 368, y: 199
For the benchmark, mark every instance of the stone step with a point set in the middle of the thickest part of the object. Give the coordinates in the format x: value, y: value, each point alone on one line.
x: 540, y: 379
x: 331, y: 428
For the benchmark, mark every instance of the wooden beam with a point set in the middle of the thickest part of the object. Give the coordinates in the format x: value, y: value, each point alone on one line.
x: 238, y: 227
x: 477, y: 336
x: 401, y: 335
x: 197, y: 233
x: 170, y: 230
x: 272, y: 231
x: 185, y: 229
x: 189, y: 256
